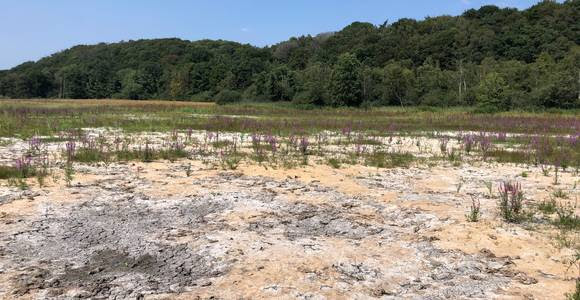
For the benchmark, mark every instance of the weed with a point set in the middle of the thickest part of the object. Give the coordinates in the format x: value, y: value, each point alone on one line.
x: 548, y: 207
x: 171, y: 154
x: 69, y: 173
x: 508, y: 156
x: 545, y: 170
x: 489, y: 186
x: 563, y: 239
x: 474, y: 211
x: 567, y: 218
x: 148, y: 153
x: 90, y: 155
x: 18, y: 182
x: 459, y: 185
x: 230, y: 162
x: 559, y: 193
x: 40, y: 179
x: 511, y: 201
x: 55, y: 177
x: 7, y: 172
x: 303, y: 146
x: 443, y: 144
x: 381, y: 159
x: 333, y: 162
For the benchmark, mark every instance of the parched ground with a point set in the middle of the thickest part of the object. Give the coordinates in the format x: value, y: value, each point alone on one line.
x: 148, y: 231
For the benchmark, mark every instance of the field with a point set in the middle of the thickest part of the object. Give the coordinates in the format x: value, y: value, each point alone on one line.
x: 178, y: 200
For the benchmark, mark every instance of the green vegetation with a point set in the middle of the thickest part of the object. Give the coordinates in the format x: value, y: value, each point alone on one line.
x: 548, y: 207
x: 511, y: 200
x: 20, y: 118
x: 9, y: 172
x: 381, y: 159
x: 474, y: 211
x: 576, y: 294
x: 492, y: 58
x: 567, y: 218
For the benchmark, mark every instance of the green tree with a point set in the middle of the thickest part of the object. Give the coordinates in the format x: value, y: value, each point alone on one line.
x: 280, y: 84
x: 131, y: 87
x: 314, y: 85
x: 398, y: 83
x: 346, y: 87
x: 492, y: 94
x: 74, y: 82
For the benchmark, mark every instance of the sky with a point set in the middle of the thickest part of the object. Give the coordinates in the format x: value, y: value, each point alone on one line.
x: 32, y: 29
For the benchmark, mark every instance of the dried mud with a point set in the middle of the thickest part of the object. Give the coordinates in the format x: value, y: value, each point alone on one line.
x: 147, y: 231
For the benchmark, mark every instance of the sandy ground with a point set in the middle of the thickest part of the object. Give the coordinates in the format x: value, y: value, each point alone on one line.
x: 148, y: 231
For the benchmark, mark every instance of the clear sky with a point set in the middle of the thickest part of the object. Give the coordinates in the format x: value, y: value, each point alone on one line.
x: 31, y: 29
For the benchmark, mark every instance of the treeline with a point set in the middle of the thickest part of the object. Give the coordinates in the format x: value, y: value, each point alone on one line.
x: 492, y: 58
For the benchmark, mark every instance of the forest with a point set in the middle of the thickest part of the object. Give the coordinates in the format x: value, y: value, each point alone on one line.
x: 491, y: 58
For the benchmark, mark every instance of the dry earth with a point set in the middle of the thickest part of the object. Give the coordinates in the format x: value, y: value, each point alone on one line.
x: 148, y: 231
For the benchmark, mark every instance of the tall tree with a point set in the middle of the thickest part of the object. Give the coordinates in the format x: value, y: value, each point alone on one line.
x: 346, y: 87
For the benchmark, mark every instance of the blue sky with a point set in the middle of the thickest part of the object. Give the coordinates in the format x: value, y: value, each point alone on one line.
x: 31, y: 29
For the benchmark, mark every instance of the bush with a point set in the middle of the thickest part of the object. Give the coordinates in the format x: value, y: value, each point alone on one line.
x: 228, y: 96
x: 511, y: 201
x: 206, y: 96
x: 492, y: 95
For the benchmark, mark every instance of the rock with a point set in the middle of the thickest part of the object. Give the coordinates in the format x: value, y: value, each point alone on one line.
x: 525, y: 279
x: 487, y: 253
x: 495, y: 266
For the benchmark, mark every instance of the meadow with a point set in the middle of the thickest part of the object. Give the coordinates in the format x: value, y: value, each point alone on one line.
x: 499, y: 190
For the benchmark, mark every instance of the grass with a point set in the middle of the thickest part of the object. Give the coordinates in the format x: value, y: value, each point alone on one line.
x: 230, y: 162
x: 505, y: 156
x: 382, y: 159
x: 567, y: 218
x: 221, y: 144
x: 548, y: 207
x: 86, y: 155
x: 559, y: 193
x: 334, y: 162
x: 27, y: 118
x: 474, y: 211
x: 48, y: 117
x: 7, y: 172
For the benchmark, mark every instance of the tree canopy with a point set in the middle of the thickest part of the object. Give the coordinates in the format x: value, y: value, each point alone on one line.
x: 492, y: 57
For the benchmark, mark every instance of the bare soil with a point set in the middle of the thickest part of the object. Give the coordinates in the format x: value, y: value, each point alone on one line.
x: 148, y: 231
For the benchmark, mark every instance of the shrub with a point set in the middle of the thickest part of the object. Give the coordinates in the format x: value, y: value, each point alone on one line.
x: 474, y: 211
x: 333, y: 162
x: 381, y: 159
x: 228, y: 96
x: 206, y: 96
x: 492, y: 94
x: 567, y: 218
x: 7, y: 172
x: 548, y: 207
x: 511, y: 201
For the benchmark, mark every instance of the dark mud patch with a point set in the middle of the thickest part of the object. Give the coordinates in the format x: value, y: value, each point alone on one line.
x: 113, y: 273
x: 306, y: 220
x: 115, y: 245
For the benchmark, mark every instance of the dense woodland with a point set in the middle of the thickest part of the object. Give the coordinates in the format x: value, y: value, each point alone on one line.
x: 490, y: 58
